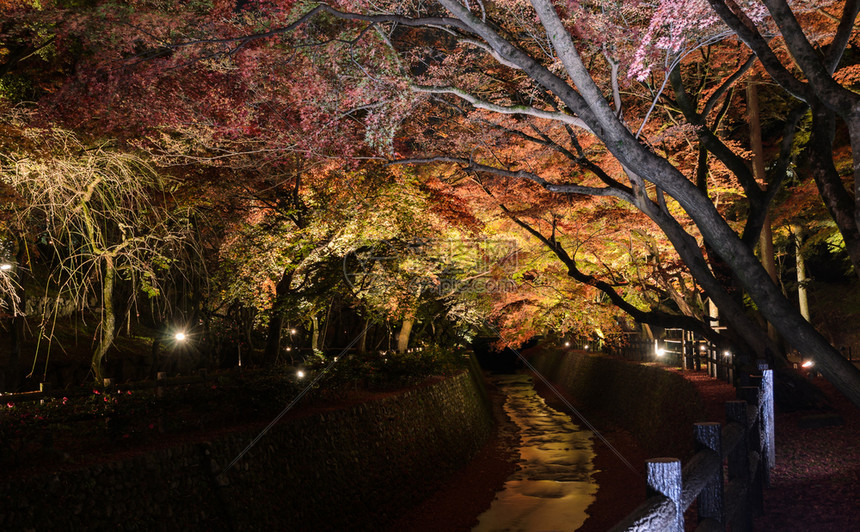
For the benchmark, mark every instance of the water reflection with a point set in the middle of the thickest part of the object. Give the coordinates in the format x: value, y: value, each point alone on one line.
x: 553, y: 485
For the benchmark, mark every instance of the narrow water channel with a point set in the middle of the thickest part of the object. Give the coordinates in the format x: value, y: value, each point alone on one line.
x: 552, y: 486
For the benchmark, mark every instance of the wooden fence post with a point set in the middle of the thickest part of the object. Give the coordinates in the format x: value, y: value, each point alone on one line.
x: 664, y: 477
x: 738, y: 462
x: 710, y: 500
x: 752, y: 395
x: 767, y: 423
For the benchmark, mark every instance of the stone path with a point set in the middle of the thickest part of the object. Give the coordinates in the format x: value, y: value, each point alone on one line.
x: 553, y: 486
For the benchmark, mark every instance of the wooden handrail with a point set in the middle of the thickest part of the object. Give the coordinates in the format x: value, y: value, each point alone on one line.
x: 745, y: 442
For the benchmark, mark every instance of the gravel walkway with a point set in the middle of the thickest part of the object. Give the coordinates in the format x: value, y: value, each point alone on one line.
x: 815, y: 485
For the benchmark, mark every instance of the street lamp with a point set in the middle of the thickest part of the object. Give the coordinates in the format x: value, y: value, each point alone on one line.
x: 300, y: 374
x: 179, y: 336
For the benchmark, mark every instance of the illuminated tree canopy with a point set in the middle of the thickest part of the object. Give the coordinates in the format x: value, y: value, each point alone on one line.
x: 613, y: 142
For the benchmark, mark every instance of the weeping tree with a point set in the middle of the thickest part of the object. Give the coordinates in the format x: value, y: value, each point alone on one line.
x: 103, y: 213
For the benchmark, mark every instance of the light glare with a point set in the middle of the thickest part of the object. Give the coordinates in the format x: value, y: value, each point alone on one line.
x: 5, y: 266
x: 300, y: 374
x: 808, y: 364
x: 180, y: 336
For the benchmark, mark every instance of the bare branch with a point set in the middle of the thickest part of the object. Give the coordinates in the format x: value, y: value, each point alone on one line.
x: 508, y: 110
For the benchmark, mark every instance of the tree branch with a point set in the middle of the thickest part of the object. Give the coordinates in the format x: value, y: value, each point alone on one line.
x: 501, y: 109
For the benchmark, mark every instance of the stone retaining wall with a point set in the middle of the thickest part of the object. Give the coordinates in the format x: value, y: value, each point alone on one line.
x: 654, y: 404
x: 352, y: 469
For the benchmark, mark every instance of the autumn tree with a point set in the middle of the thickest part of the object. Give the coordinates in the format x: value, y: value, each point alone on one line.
x: 544, y: 74
x: 100, y: 213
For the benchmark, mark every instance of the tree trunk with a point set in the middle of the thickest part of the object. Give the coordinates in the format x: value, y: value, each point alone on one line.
x: 839, y: 201
x: 405, y: 333
x: 274, y: 331
x: 800, y: 266
x: 108, y: 321
x: 16, y: 322
x: 362, y: 341
x: 766, y: 235
x: 315, y: 333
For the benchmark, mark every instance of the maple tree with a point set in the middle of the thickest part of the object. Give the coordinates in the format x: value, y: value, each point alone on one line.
x: 545, y: 78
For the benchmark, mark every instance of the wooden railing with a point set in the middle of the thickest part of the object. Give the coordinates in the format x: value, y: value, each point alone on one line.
x: 679, y: 347
x: 745, y: 445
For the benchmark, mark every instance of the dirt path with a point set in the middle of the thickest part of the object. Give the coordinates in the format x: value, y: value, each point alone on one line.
x: 815, y: 485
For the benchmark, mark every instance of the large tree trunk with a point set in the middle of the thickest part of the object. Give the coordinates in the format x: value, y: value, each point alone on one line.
x: 839, y: 201
x: 404, y: 333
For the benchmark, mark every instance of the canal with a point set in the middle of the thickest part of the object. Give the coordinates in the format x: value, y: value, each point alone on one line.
x: 553, y: 483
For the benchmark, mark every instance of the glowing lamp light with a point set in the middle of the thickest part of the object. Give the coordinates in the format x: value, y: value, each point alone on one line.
x: 567, y: 344
x: 292, y: 331
x: 5, y: 266
x: 585, y: 347
x: 180, y: 336
x: 300, y: 374
x: 659, y: 351
x: 727, y: 353
x: 808, y: 364
x: 703, y: 347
